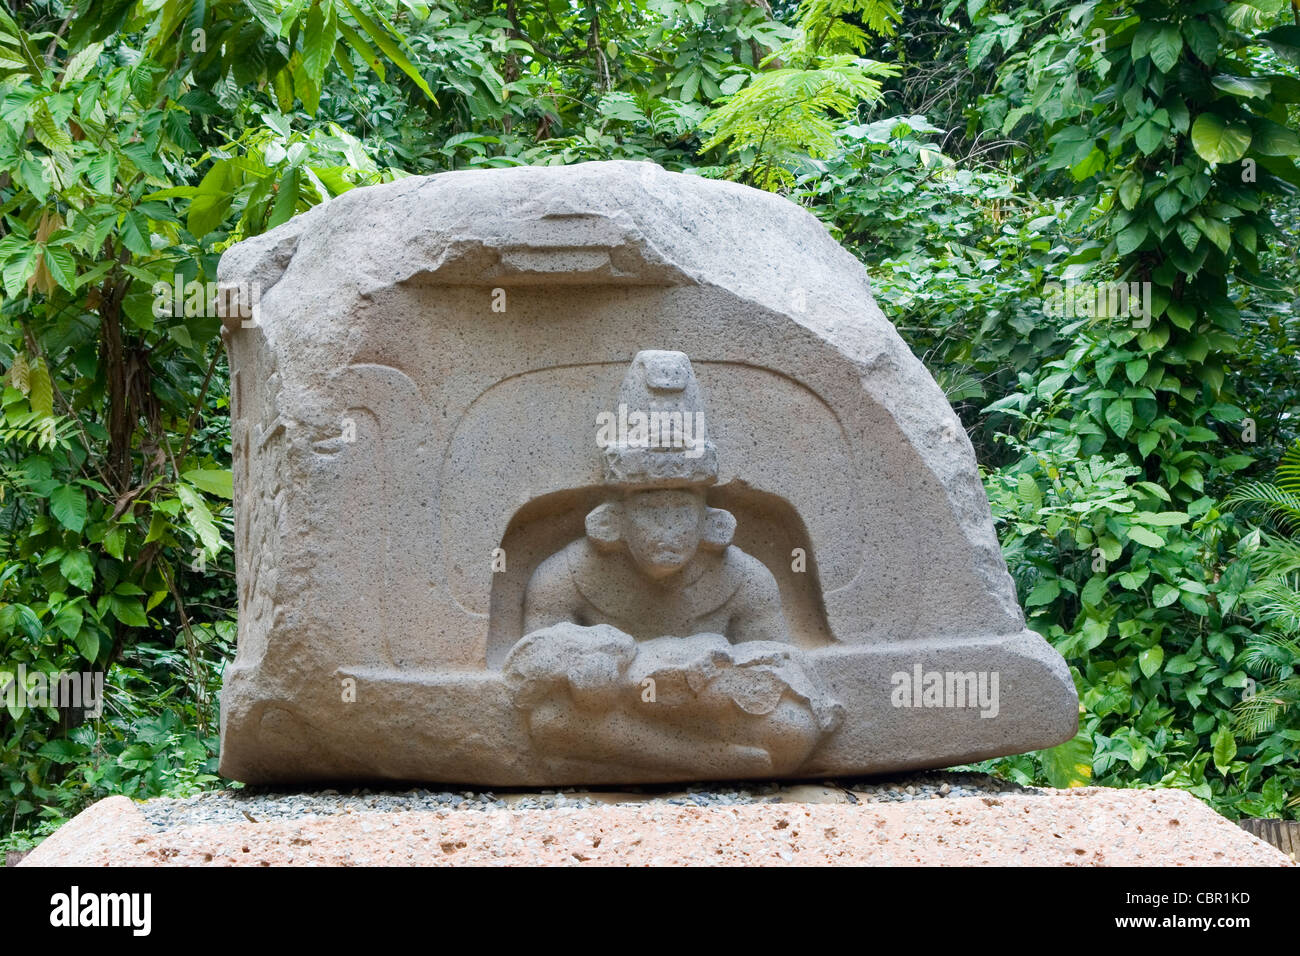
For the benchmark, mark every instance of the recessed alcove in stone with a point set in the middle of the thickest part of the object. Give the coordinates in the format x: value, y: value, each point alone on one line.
x: 767, y: 527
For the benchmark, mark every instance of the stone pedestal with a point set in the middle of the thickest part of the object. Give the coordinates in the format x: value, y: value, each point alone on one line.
x: 818, y: 825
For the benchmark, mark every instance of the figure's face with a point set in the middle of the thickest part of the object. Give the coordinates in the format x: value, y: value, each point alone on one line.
x: 662, y: 529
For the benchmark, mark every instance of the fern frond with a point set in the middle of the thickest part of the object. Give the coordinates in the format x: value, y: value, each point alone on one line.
x: 785, y: 116
x: 1259, y: 714
x: 1288, y: 469
x: 1272, y: 652
x: 1276, y: 602
x: 1273, y: 501
x: 879, y: 16
x: 33, y: 429
x: 1277, y: 557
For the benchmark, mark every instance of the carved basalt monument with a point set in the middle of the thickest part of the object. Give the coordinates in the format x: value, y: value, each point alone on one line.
x: 602, y: 474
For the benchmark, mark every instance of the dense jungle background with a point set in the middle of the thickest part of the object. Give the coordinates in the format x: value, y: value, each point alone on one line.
x: 978, y: 156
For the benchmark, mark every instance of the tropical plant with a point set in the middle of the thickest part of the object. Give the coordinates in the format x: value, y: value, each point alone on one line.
x: 1274, y: 597
x: 785, y: 110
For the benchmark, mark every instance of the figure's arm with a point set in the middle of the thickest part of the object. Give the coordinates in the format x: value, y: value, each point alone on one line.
x: 757, y: 612
x: 550, y: 597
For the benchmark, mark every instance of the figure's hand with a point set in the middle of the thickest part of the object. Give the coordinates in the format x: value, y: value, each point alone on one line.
x: 588, y: 663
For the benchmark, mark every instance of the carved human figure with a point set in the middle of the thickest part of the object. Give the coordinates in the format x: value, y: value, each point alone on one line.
x: 653, y: 640
x: 654, y: 562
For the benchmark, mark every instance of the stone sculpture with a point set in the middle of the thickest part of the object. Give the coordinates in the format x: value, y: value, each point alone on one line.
x: 630, y: 630
x: 494, y: 527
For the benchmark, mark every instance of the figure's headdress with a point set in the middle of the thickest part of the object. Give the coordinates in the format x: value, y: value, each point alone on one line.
x: 660, y: 439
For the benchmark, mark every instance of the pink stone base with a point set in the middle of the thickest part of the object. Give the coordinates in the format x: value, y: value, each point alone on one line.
x: 1086, y: 827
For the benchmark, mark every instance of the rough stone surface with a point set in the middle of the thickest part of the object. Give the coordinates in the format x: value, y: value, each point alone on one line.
x: 1087, y: 827
x: 447, y: 574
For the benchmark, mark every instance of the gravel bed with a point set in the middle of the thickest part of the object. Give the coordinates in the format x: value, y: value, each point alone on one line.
x: 257, y: 804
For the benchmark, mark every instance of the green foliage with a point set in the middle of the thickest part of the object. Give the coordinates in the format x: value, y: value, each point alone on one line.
x: 970, y: 153
x: 789, y: 114
x: 780, y: 116
x: 1162, y: 126
x: 1273, y: 653
x: 950, y: 250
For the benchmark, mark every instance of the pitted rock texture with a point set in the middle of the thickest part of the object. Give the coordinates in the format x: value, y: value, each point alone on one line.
x: 1085, y: 827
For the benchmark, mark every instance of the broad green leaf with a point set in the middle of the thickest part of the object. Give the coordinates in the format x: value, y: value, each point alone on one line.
x: 40, y: 389
x: 1225, y: 748
x: 19, y: 269
x: 29, y: 622
x: 68, y: 620
x: 1119, y: 416
x: 1094, y: 592
x: 1044, y: 592
x: 1130, y: 238
x: 1285, y: 41
x: 1130, y: 190
x: 16, y: 36
x: 68, y: 504
x: 87, y: 642
x: 135, y: 233
x: 78, y: 570
x: 1181, y: 313
x: 282, y: 84
x: 1274, y: 139
x: 286, y: 199
x: 265, y: 12
x: 1147, y: 443
x: 1163, y: 595
x: 1161, y: 519
x: 367, y: 52
x: 307, y: 89
x: 214, y: 481
x: 1140, y: 45
x: 1242, y: 86
x: 1029, y: 492
x: 200, y: 518
x: 1070, y: 764
x: 136, y: 757
x: 1149, y: 661
x: 1202, y: 39
x: 128, y: 610
x: 115, y: 541
x: 385, y: 41
x: 49, y: 131
x: 1216, y: 231
x: 1149, y: 137
x: 81, y: 63
x: 62, y: 267
x: 207, y: 212
x: 63, y: 751
x: 318, y: 41
x: 1168, y: 203
x: 158, y: 526
x: 979, y: 49
x: 1145, y: 536
x: 1218, y: 142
